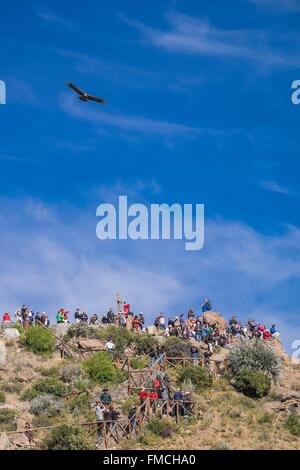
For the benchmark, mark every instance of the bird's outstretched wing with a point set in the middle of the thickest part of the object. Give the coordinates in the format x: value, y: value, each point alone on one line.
x: 95, y: 98
x: 75, y: 88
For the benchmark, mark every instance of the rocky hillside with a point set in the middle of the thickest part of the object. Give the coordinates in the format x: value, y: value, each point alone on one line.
x: 225, y: 418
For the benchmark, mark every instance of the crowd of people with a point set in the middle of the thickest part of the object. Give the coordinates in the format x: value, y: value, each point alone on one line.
x: 158, y: 396
x: 196, y: 328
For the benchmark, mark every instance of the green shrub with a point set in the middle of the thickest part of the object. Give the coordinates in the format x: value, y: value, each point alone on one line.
x: 176, y: 347
x: 2, y: 397
x: 49, y: 371
x: 79, y: 404
x: 68, y: 438
x: 8, y: 420
x: 12, y: 387
x: 49, y: 385
x: 121, y: 337
x: 139, y: 363
x: 252, y: 383
x: 159, y: 427
x: 265, y: 418
x: 42, y: 421
x: 129, y: 402
x: 257, y: 355
x: 197, y: 375
x: 39, y: 340
x: 145, y: 343
x: 292, y: 423
x: 101, y: 369
x: 46, y: 405
x: 71, y: 373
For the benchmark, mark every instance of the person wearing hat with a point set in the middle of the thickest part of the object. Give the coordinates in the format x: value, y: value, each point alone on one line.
x: 105, y: 397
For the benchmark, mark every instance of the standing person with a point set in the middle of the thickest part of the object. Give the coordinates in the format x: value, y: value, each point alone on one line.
x: 100, y: 408
x: 114, y: 414
x: 84, y: 318
x: 160, y: 355
x: 77, y: 315
x: 126, y: 308
x: 105, y: 397
x: 18, y: 316
x: 28, y: 433
x: 153, y: 357
x: 132, y: 419
x: 178, y: 398
x: 38, y: 318
x: 136, y: 324
x: 143, y: 395
x: 274, y: 332
x: 162, y: 321
x: 31, y: 317
x: 165, y: 398
x: 194, y: 354
x: 60, y: 316
x: 6, y: 317
x: 153, y: 397
x: 110, y: 347
x: 182, y: 322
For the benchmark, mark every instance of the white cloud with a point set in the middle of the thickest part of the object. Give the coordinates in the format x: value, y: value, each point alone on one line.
x: 50, y: 257
x: 53, y: 18
x: 277, y: 188
x: 136, y: 124
x: 196, y: 36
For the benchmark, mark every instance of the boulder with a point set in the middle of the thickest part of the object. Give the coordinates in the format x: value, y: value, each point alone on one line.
x: 11, y: 333
x: 5, y: 443
x: 91, y: 344
x: 61, y: 329
x: 212, y: 317
x: 152, y: 330
x: 20, y: 441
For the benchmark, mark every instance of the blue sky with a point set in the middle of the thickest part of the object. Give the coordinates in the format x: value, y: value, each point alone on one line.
x: 199, y: 111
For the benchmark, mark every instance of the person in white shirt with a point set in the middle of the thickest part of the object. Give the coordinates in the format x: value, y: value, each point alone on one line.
x: 110, y: 346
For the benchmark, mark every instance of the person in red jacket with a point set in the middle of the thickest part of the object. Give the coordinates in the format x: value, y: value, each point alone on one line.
x: 143, y: 399
x: 6, y: 317
x: 156, y: 383
x: 126, y: 307
x: 267, y: 335
x: 153, y: 396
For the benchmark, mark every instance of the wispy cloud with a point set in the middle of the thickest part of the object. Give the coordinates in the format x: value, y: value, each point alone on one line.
x: 196, y: 36
x: 136, y: 124
x: 276, y: 188
x: 53, y: 18
x: 131, y: 76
